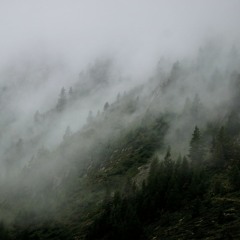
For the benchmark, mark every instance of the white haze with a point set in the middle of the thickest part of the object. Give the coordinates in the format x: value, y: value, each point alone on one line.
x: 136, y: 31
x: 47, y: 45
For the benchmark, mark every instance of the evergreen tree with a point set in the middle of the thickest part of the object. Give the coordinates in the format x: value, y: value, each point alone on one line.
x: 196, y: 107
x: 67, y: 133
x: 222, y: 149
x: 90, y: 116
x: 4, y: 232
x: 175, y: 71
x: 106, y: 106
x: 234, y: 177
x: 168, y: 163
x: 118, y: 97
x: 184, y: 173
x: 62, y: 100
x: 196, y: 150
x: 153, y: 169
x: 70, y: 92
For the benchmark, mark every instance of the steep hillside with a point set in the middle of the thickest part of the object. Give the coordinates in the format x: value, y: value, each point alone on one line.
x: 160, y: 161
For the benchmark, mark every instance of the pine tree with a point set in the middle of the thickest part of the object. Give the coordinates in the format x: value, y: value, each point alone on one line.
x: 90, y: 117
x: 153, y: 173
x: 67, y: 133
x: 168, y: 159
x: 62, y: 100
x: 70, y: 92
x: 222, y: 149
x: 196, y: 150
x: 184, y: 173
x: 118, y: 97
x: 234, y: 177
x: 106, y: 106
x: 196, y: 107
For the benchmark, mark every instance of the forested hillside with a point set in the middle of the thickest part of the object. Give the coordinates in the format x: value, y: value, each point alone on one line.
x: 119, y: 120
x: 159, y: 161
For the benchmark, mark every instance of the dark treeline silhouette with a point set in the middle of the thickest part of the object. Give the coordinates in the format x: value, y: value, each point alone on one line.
x: 171, y: 185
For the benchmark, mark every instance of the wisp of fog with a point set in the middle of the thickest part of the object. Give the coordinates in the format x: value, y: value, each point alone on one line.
x: 74, y: 75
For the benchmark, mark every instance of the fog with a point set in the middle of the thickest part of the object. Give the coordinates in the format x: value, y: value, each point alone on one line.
x: 137, y: 32
x: 62, y: 61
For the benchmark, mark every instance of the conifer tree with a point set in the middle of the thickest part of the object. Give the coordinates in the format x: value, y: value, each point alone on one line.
x: 234, y: 177
x: 106, y: 106
x: 196, y: 107
x: 168, y: 158
x: 90, y: 116
x: 222, y: 149
x: 70, y: 92
x: 62, y: 100
x: 67, y: 133
x: 196, y: 150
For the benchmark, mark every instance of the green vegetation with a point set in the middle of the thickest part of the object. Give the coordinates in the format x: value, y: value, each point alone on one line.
x: 118, y: 178
x: 177, y: 194
x: 174, y: 189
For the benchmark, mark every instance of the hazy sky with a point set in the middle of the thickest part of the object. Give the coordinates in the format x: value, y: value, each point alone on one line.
x: 136, y: 31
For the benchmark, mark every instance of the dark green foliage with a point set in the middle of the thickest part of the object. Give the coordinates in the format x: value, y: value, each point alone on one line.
x: 196, y: 149
x: 233, y: 124
x: 138, y: 145
x: 199, y: 183
x: 172, y: 185
x: 218, y: 187
x: 28, y: 226
x: 196, y: 208
x: 234, y: 177
x: 169, y: 186
x: 118, y: 220
x: 4, y: 232
x: 223, y: 149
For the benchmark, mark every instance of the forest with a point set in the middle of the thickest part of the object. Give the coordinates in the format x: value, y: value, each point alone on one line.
x: 140, y: 168
x: 119, y: 121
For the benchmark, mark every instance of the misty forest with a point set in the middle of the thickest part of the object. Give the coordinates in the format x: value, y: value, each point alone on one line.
x: 119, y: 120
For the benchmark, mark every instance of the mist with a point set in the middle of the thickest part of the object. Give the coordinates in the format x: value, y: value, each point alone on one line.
x: 77, y: 76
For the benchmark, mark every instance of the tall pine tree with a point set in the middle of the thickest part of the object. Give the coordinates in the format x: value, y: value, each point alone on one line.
x: 196, y: 149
